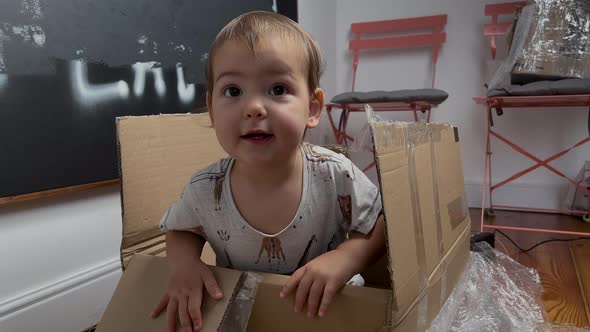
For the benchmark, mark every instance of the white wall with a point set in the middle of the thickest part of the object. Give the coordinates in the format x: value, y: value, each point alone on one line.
x: 60, y: 260
x: 464, y: 65
x: 319, y: 18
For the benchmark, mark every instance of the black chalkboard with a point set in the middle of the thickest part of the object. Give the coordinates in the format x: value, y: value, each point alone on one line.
x: 69, y: 67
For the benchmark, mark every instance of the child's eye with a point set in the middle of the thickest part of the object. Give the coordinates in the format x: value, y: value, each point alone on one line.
x: 278, y: 90
x: 232, y: 91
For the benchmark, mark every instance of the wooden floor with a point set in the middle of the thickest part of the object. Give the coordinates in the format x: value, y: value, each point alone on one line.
x: 564, y: 267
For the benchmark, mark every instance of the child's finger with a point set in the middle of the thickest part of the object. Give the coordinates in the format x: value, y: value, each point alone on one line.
x: 211, y: 285
x: 315, y: 295
x: 302, y: 292
x: 194, y: 309
x: 292, y: 283
x: 171, y: 315
x: 161, y: 306
x: 329, y: 293
x: 183, y: 316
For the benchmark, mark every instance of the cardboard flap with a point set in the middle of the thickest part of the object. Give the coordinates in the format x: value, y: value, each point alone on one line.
x: 419, y: 168
x: 354, y: 309
x: 140, y: 290
x: 157, y: 156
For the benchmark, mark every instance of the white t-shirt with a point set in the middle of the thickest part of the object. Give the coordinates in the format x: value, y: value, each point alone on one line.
x: 337, y: 198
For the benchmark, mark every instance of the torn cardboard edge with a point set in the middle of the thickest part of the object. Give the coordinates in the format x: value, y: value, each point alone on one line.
x: 158, y: 154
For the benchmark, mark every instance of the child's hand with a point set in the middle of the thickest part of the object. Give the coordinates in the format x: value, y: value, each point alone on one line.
x: 185, y: 294
x: 318, y: 282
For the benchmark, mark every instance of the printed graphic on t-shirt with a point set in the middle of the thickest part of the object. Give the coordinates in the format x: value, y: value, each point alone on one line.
x: 305, y: 256
x: 273, y: 249
x: 332, y: 243
x: 218, y: 190
x: 316, y: 155
x: 319, y: 162
x: 346, y: 208
x: 224, y: 236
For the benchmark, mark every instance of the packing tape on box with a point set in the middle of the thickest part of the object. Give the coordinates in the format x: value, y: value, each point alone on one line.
x: 436, y: 137
x: 368, y: 139
x: 414, y: 138
x: 419, y: 134
x: 388, y: 136
x: 416, y: 212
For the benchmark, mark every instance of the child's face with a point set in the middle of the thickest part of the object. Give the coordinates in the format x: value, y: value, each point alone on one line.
x: 260, y: 103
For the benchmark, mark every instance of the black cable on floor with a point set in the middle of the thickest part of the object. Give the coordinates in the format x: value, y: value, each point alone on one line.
x: 540, y: 243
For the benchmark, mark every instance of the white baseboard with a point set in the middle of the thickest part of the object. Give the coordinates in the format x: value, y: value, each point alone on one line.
x: 71, y: 304
x: 546, y: 196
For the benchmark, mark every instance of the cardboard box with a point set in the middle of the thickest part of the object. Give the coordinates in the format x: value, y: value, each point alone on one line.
x: 427, y: 224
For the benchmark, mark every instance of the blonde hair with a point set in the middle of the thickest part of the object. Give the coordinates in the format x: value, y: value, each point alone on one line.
x: 252, y: 26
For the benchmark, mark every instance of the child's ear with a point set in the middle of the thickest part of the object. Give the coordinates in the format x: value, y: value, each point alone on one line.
x: 209, y: 109
x: 316, y: 104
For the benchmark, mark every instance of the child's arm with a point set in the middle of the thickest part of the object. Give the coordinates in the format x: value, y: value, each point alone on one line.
x: 319, y: 280
x: 188, y: 276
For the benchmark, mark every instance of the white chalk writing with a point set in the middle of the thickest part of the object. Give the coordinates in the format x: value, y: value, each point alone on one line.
x: 88, y: 94
x: 140, y: 70
x: 186, y: 92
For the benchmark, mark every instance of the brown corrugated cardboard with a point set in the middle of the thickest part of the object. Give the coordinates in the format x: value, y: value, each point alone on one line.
x: 427, y: 226
x: 357, y: 309
x: 158, y: 155
x: 142, y: 286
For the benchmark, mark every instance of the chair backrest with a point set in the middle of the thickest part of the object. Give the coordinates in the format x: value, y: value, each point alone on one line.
x: 497, y: 28
x: 435, y: 38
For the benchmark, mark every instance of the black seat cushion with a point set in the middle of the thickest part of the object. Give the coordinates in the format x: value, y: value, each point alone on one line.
x: 433, y: 96
x: 570, y: 86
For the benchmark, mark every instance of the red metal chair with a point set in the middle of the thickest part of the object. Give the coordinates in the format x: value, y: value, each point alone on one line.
x: 496, y: 28
x: 401, y: 100
x: 501, y: 103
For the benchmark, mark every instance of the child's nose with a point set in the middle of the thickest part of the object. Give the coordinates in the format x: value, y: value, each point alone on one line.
x: 255, y: 109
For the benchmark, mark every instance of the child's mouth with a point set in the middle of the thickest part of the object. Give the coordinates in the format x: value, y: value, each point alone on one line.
x: 257, y: 137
